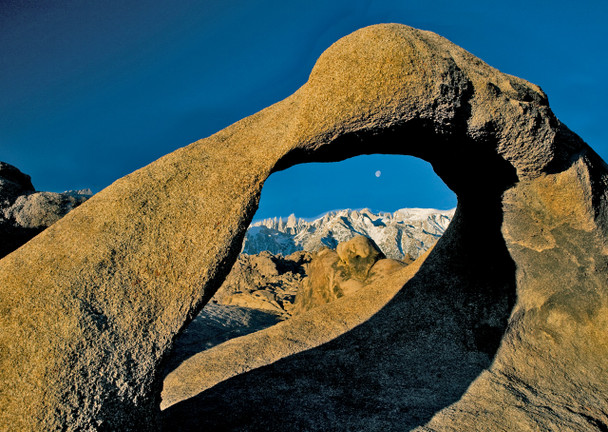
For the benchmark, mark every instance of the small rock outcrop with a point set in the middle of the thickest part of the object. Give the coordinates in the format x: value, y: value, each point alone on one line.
x: 304, y: 331
x: 503, y: 327
x: 24, y: 212
x: 264, y: 281
x: 264, y: 289
x: 359, y: 254
x: 13, y: 183
x: 337, y: 273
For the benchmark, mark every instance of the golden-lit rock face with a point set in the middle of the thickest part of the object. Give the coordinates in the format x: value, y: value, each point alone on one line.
x: 503, y: 327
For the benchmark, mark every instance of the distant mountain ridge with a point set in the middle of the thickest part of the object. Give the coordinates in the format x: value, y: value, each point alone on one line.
x: 407, y: 231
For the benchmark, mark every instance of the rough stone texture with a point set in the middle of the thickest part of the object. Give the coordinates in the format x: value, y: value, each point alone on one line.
x: 332, y: 274
x: 259, y: 292
x: 264, y: 281
x: 25, y: 212
x: 39, y: 210
x: 359, y: 254
x: 500, y: 331
x: 215, y: 324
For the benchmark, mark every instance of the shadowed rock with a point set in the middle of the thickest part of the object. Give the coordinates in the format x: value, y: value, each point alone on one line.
x: 500, y: 331
x: 13, y: 183
x: 186, y: 386
x: 258, y: 293
x: 215, y: 324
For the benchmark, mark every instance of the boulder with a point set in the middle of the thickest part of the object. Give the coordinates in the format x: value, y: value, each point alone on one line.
x: 264, y: 281
x: 13, y: 183
x: 24, y: 212
x: 323, y: 282
x: 502, y: 328
x: 39, y: 210
x: 359, y: 254
x: 332, y: 274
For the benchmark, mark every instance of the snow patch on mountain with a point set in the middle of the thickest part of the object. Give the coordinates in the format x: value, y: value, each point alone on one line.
x: 408, y: 231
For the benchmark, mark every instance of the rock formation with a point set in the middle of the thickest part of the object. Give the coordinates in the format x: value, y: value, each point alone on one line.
x: 264, y: 281
x: 503, y: 327
x: 259, y: 292
x: 25, y: 212
x: 332, y: 274
x: 307, y: 328
x: 13, y: 183
x: 214, y: 325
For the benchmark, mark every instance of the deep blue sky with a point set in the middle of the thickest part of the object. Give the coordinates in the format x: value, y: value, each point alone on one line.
x: 92, y: 90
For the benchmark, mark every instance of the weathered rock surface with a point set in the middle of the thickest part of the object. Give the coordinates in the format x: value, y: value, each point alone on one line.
x: 332, y: 274
x: 215, y: 324
x: 359, y: 255
x: 39, y: 210
x: 264, y: 281
x: 24, y: 212
x: 503, y: 327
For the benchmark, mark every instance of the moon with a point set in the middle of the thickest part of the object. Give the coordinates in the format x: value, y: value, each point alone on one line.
x: 378, y: 173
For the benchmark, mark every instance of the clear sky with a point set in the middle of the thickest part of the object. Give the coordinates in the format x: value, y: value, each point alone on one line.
x: 92, y: 90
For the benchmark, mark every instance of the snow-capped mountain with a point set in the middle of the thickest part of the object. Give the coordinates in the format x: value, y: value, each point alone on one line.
x: 406, y: 231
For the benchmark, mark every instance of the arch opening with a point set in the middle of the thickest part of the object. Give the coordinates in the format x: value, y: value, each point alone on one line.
x: 468, y: 280
x: 380, y: 182
x: 469, y: 277
x: 396, y: 201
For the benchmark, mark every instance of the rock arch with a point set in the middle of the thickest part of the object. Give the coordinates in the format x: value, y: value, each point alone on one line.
x: 90, y: 306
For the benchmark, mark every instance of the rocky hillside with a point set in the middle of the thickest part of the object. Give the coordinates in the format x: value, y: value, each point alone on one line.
x: 263, y: 290
x: 402, y: 235
x: 300, y: 281
x: 265, y: 282
x: 259, y: 292
x: 25, y: 212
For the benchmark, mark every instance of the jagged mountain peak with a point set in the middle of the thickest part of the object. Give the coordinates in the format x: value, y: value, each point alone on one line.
x: 407, y: 231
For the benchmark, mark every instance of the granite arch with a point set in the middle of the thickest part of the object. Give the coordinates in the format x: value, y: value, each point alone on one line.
x: 90, y: 306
